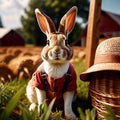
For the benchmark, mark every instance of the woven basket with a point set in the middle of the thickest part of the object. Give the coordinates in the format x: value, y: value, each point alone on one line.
x: 105, y: 89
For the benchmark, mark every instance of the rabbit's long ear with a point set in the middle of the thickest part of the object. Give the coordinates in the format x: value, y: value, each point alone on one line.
x: 68, y: 20
x: 45, y: 23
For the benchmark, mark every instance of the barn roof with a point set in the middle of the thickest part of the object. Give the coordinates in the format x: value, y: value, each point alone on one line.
x: 4, y: 31
x: 110, y: 23
x: 9, y: 37
x: 115, y: 17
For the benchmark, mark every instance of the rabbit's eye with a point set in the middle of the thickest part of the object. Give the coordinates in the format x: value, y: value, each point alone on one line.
x: 48, y: 42
x: 66, y: 42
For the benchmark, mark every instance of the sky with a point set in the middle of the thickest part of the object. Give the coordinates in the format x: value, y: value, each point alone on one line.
x: 11, y: 10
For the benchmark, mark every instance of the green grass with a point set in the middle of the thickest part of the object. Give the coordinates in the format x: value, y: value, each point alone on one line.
x: 13, y: 93
x: 83, y: 87
x: 14, y: 104
x: 83, y: 100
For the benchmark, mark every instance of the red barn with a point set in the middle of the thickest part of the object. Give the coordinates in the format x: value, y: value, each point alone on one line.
x: 9, y: 37
x: 109, y: 27
x: 110, y: 24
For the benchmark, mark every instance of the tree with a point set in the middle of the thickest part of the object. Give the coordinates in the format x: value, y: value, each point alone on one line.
x: 1, y: 25
x: 30, y: 26
x: 53, y: 8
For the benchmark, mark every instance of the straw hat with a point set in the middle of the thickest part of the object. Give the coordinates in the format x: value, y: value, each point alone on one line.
x: 107, y: 57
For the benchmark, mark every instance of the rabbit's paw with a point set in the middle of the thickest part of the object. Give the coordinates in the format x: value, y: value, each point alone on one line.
x: 32, y: 107
x: 70, y: 115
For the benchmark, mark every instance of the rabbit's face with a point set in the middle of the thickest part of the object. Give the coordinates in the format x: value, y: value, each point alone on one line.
x: 57, y: 49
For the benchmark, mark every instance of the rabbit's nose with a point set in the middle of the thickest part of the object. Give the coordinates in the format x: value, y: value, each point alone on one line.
x: 56, y: 49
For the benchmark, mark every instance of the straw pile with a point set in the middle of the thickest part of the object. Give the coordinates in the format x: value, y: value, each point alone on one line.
x: 6, y: 73
x: 18, y: 62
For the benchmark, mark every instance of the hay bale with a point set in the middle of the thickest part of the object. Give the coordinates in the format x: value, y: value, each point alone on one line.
x: 6, y: 58
x: 37, y: 63
x: 27, y: 67
x: 25, y: 61
x: 24, y: 66
x: 81, y: 55
x: 3, y: 50
x: 6, y: 73
x: 14, y: 64
x: 17, y: 52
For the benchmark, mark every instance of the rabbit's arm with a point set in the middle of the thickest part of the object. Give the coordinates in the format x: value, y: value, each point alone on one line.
x: 68, y: 98
x: 41, y: 96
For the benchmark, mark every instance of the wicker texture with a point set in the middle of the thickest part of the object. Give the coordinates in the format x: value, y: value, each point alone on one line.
x: 104, y: 77
x: 105, y: 89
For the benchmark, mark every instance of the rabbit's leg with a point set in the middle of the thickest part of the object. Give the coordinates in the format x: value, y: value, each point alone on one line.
x: 41, y: 96
x: 35, y: 96
x: 68, y: 98
x: 31, y: 95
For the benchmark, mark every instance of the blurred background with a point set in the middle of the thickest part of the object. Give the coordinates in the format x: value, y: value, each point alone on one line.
x: 18, y: 15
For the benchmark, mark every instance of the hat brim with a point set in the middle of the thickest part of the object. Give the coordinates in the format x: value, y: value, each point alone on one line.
x: 99, y: 67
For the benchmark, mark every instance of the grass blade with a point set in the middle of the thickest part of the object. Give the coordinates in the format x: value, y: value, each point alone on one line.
x: 11, y: 105
x: 49, y: 109
x: 110, y: 115
x: 82, y: 114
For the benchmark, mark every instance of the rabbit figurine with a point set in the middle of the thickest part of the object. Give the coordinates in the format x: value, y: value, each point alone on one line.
x: 56, y: 65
